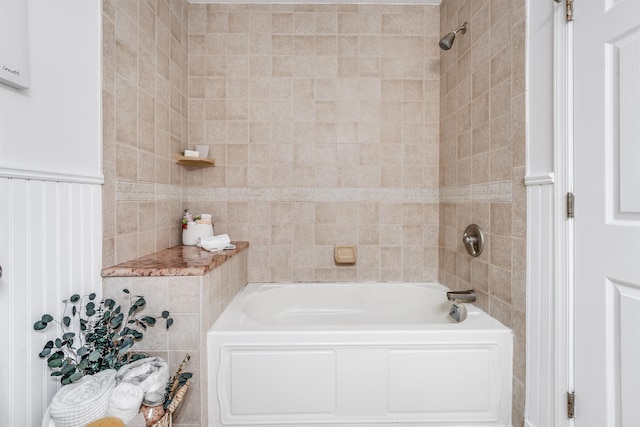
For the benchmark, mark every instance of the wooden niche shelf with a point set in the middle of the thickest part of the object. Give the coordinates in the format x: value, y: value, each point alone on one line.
x: 195, y: 162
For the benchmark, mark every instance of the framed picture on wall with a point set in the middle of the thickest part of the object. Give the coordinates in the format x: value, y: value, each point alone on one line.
x: 14, y: 61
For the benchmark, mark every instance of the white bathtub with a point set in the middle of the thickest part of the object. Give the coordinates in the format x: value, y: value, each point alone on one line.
x: 356, y: 354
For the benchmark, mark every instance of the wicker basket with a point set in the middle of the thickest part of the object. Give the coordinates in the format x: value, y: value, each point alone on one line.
x: 167, y: 418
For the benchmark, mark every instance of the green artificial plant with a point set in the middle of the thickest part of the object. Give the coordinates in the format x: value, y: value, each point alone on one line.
x: 95, y: 337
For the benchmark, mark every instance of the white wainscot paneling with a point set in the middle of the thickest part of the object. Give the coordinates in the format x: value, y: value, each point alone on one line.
x: 540, y: 403
x: 50, y: 248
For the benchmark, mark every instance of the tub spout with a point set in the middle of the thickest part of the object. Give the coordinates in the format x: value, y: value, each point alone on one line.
x: 462, y: 296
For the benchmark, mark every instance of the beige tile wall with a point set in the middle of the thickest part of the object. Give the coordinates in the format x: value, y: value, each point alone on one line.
x: 324, y: 123
x: 482, y: 146
x: 144, y: 92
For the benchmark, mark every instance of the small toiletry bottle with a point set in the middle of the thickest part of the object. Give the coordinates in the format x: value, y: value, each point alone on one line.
x: 188, y: 216
x: 152, y: 408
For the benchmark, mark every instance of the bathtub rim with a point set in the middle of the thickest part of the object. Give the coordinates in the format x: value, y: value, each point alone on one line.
x: 234, y: 320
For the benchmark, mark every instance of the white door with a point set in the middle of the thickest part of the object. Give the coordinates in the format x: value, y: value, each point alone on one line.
x: 607, y: 218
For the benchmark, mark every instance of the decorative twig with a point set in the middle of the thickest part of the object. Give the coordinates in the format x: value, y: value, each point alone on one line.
x: 178, y: 380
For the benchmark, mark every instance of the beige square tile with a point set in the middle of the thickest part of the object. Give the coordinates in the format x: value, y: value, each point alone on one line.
x: 282, y: 23
x: 480, y: 110
x: 326, y: 22
x: 501, y: 164
x: 500, y: 310
x: 480, y: 276
x: 238, y: 22
x: 501, y: 218
x: 369, y: 67
x: 347, y: 46
x: 480, y: 79
x: 501, y: 254
x: 304, y: 45
x: 499, y: 283
x: 304, y: 21
x: 518, y: 277
x: 482, y: 215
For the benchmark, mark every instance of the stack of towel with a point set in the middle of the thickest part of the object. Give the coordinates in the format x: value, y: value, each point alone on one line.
x: 215, y: 243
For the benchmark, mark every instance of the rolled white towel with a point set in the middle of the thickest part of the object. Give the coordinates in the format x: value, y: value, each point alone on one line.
x: 125, y: 402
x: 150, y: 374
x: 215, y: 243
x: 86, y: 400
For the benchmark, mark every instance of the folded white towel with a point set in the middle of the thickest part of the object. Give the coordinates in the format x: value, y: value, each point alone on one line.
x: 84, y: 401
x: 125, y: 401
x: 150, y: 374
x: 215, y: 243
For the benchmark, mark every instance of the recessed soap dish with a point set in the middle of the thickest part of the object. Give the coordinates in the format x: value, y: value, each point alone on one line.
x: 345, y: 254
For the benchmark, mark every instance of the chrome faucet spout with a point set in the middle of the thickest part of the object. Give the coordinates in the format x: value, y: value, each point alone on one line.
x: 462, y: 296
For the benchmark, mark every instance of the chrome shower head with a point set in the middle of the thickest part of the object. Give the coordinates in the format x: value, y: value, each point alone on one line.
x: 447, y: 41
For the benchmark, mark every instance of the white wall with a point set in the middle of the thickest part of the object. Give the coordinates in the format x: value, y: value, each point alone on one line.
x: 53, y: 128
x: 540, y: 105
x: 50, y: 194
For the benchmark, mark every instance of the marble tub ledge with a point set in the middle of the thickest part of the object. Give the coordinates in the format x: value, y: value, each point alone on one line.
x: 175, y: 261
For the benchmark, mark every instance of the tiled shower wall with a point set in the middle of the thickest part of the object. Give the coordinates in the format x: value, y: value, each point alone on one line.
x: 144, y: 113
x: 482, y: 155
x: 323, y: 120
x: 329, y: 124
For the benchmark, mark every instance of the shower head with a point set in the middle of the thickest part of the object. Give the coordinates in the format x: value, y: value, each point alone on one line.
x: 447, y: 41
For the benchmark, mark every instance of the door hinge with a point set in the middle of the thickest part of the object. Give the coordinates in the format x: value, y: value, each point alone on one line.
x: 571, y: 404
x: 570, y: 205
x: 569, y: 10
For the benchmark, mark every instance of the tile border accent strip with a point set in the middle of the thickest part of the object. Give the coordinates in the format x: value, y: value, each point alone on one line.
x: 493, y: 192
x: 146, y: 191
x: 143, y: 192
x: 499, y: 191
x: 312, y: 194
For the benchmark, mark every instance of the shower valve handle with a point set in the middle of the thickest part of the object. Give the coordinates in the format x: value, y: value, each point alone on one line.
x: 473, y: 240
x: 469, y: 240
